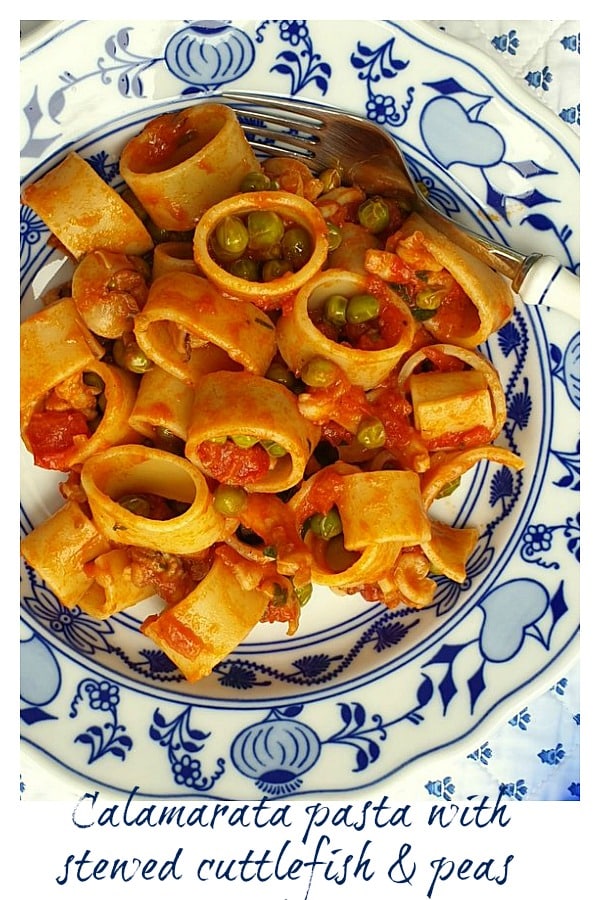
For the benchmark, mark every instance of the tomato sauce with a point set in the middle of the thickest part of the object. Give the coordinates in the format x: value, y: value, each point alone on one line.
x: 52, y: 433
x: 230, y: 464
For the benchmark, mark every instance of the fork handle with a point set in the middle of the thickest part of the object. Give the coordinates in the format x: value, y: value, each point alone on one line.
x: 546, y: 282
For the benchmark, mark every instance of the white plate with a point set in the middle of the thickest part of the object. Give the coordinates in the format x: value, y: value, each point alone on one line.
x: 361, y: 692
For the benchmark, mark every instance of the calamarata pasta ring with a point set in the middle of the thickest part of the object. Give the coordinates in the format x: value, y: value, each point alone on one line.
x: 292, y: 210
x: 299, y: 337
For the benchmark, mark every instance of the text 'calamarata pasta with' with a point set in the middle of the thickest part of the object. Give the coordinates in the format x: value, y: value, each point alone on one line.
x: 254, y: 386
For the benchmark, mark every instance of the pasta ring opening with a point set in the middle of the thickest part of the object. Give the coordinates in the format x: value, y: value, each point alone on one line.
x: 292, y: 209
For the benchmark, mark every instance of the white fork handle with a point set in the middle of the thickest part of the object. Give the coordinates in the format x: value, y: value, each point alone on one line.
x: 547, y: 283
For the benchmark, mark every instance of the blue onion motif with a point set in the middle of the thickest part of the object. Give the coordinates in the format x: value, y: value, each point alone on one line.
x: 529, y: 600
x: 158, y: 662
x: 535, y: 615
x: 80, y: 631
x: 303, y: 66
x: 110, y: 737
x: 566, y: 367
x: 276, y: 752
x: 184, y: 744
x: 104, y: 166
x: 538, y: 540
x: 374, y: 65
x: 40, y: 679
x: 209, y: 54
x: 32, y: 232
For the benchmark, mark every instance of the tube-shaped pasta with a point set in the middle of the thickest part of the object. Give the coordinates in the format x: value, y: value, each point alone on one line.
x: 408, y: 581
x: 459, y: 398
x: 299, y: 337
x: 58, y: 549
x: 173, y: 256
x: 449, y: 548
x: 201, y: 630
x: 183, y: 162
x: 382, y: 507
x: 55, y: 343
x: 447, y: 467
x: 185, y: 312
x: 84, y: 212
x: 334, y: 563
x: 467, y: 318
x: 134, y: 471
x: 84, y: 414
x: 163, y: 404
x: 113, y: 589
x: 246, y: 429
x: 291, y: 210
x: 109, y: 289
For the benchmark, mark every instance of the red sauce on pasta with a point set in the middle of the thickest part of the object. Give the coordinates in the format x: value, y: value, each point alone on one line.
x: 52, y: 433
x: 230, y: 464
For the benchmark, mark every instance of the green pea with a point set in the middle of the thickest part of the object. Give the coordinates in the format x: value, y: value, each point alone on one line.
x: 319, y: 372
x: 129, y: 355
x: 296, y: 246
x: 229, y: 500
x: 274, y: 449
x: 330, y: 179
x: 275, y: 268
x: 334, y: 309
x: 338, y: 558
x: 280, y: 595
x: 371, y: 433
x: 449, y: 488
x: 92, y: 379
x: 374, y: 214
x: 334, y: 236
x: 421, y: 315
x: 255, y: 181
x: 428, y: 298
x: 362, y: 308
x: 136, y: 504
x: 248, y: 269
x: 281, y: 374
x: 230, y: 238
x: 166, y: 439
x: 265, y: 229
x: 304, y: 593
x: 328, y: 525
x: 243, y: 440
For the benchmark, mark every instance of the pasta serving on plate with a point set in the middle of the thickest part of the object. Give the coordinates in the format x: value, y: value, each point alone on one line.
x: 257, y: 380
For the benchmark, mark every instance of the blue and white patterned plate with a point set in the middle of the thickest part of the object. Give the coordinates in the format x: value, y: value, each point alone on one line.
x: 360, y: 693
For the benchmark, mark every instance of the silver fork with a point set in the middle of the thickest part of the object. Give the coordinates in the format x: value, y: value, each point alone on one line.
x: 368, y: 157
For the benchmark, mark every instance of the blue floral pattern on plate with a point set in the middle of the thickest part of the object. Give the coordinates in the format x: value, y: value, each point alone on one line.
x: 296, y: 716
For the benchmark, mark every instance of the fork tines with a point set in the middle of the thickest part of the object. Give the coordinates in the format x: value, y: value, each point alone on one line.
x: 294, y: 134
